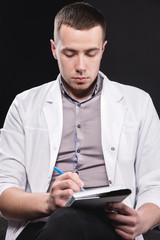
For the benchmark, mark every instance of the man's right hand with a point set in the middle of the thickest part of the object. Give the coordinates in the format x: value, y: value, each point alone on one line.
x: 17, y: 204
x: 63, y: 187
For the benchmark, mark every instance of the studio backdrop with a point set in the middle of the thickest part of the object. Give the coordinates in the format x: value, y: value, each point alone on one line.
x: 132, y: 55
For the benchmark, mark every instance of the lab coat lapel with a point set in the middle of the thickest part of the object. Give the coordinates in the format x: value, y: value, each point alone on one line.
x: 53, y: 112
x: 112, y: 118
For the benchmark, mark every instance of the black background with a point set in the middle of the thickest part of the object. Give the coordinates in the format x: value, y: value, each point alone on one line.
x: 132, y: 55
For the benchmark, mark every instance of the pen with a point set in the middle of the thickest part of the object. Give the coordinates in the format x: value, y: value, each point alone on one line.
x: 60, y: 172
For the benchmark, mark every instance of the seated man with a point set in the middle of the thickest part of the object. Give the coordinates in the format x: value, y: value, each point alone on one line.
x: 98, y: 132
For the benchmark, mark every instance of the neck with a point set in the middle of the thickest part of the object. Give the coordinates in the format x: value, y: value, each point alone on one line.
x: 79, y: 94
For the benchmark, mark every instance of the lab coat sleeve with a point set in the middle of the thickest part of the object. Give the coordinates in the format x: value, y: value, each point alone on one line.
x: 12, y: 161
x: 147, y: 164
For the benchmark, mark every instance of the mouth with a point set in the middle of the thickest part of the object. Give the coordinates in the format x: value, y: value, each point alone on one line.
x: 80, y: 79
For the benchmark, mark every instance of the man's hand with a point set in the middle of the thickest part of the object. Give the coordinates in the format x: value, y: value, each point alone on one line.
x: 130, y: 223
x: 63, y: 187
x: 18, y: 204
x: 126, y: 220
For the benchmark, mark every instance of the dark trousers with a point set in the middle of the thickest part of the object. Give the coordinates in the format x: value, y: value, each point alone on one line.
x: 71, y: 224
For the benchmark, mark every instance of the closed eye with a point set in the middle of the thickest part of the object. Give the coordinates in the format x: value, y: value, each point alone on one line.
x: 69, y: 53
x: 92, y: 52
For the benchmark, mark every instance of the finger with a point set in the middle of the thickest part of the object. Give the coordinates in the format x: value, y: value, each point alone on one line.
x: 73, y: 176
x: 66, y: 184
x: 125, y: 235
x: 121, y: 219
x: 64, y: 194
x: 125, y: 228
x: 121, y: 208
x: 61, y: 197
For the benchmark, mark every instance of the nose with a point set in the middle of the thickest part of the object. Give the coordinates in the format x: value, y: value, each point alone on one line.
x: 80, y: 64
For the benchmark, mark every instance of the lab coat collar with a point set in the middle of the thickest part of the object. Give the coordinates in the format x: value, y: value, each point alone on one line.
x: 53, y: 111
x: 113, y: 111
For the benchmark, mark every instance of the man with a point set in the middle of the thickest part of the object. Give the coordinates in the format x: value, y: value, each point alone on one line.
x: 98, y: 132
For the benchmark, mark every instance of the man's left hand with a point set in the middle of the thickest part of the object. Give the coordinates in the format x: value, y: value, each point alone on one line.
x: 126, y: 220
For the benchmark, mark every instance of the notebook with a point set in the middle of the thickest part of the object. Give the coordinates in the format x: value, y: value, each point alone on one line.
x: 98, y: 197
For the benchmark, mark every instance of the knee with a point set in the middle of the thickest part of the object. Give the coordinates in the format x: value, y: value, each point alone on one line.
x: 64, y: 223
x: 69, y: 216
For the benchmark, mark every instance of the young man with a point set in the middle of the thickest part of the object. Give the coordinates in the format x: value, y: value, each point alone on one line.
x: 98, y: 132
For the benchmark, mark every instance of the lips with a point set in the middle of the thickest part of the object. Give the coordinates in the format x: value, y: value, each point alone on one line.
x: 80, y: 79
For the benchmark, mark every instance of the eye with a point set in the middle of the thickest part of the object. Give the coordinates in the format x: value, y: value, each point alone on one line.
x: 91, y: 53
x: 69, y: 55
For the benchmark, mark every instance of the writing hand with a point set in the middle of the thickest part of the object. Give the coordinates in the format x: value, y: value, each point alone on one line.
x: 63, y: 187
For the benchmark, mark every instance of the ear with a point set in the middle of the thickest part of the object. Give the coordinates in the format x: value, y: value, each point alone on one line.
x: 53, y: 48
x: 103, y: 47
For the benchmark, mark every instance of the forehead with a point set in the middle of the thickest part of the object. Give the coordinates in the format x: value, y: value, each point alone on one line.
x: 73, y: 38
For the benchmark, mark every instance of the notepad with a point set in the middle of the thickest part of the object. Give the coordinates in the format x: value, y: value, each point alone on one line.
x: 98, y: 197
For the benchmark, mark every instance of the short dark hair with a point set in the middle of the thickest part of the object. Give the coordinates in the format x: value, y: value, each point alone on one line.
x: 81, y: 16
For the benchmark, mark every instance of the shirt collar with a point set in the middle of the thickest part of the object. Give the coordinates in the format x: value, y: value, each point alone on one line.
x: 96, y: 90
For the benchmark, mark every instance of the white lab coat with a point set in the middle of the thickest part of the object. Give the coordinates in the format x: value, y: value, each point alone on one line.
x: 31, y: 137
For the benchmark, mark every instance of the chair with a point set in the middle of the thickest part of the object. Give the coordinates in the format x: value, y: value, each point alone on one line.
x: 3, y: 228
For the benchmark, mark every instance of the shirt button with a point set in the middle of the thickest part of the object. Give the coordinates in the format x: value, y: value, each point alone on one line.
x: 112, y: 149
x: 79, y: 126
x: 78, y: 150
x: 78, y: 104
x: 54, y: 148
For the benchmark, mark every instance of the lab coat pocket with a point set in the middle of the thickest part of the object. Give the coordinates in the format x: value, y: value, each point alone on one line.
x: 128, y: 142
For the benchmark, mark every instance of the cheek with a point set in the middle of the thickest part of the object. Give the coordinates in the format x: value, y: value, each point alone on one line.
x: 65, y: 65
x: 67, y: 62
x: 94, y: 66
x: 96, y: 61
